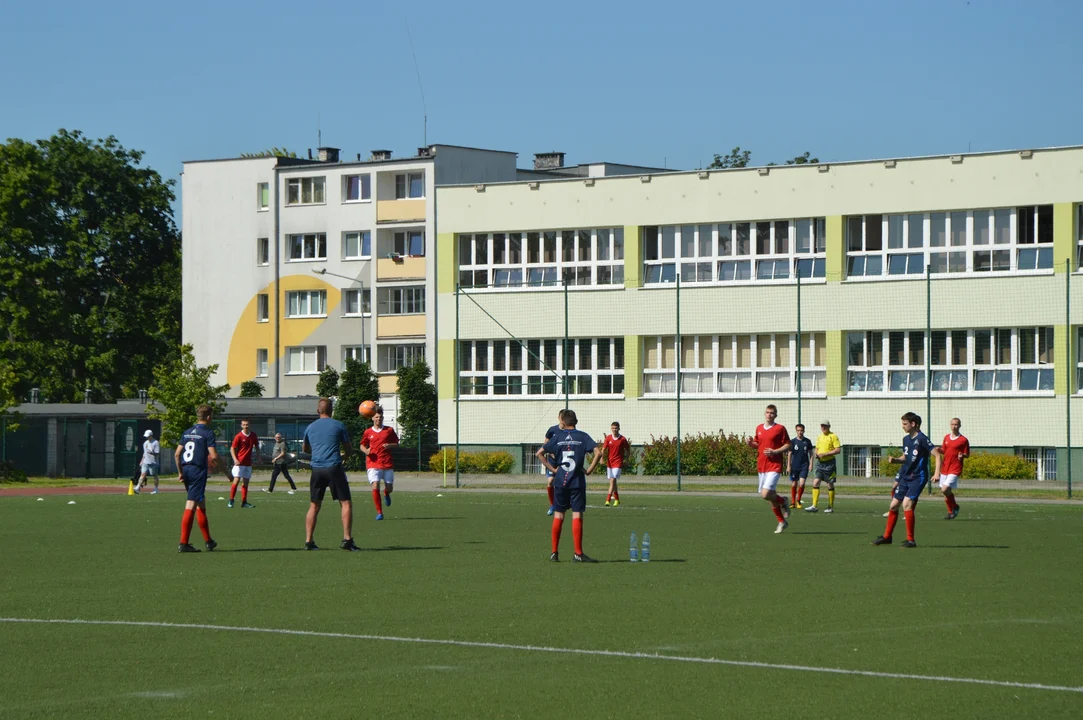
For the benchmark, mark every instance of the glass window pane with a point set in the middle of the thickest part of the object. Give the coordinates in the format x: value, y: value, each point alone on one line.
x: 1002, y: 232
x: 669, y: 241
x: 763, y: 238
x: 874, y: 232
x: 958, y: 229
x: 894, y: 232
x: 706, y: 240
x: 743, y: 243
x: 981, y: 227
x: 854, y: 233
x: 915, y: 231
x: 938, y: 236
x: 688, y: 241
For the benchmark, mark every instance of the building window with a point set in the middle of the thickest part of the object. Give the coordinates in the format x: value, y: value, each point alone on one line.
x: 306, y: 303
x: 542, y: 259
x: 1044, y: 459
x: 263, y: 251
x: 400, y: 300
x: 863, y: 461
x: 356, y: 301
x: 1079, y: 235
x: 261, y: 362
x: 503, y: 368
x: 410, y: 243
x: 734, y: 252
x: 357, y: 245
x: 263, y: 196
x: 263, y: 307
x: 360, y: 353
x: 356, y: 188
x: 306, y: 360
x: 392, y: 357
x: 305, y: 191
x: 312, y: 246
x: 725, y: 365
x: 409, y: 185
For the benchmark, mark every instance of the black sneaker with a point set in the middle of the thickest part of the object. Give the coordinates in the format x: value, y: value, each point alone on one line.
x: 211, y: 545
x: 882, y: 541
x: 311, y: 546
x: 583, y: 557
x: 186, y: 547
x: 909, y: 543
x: 955, y: 512
x: 349, y: 545
x: 555, y: 557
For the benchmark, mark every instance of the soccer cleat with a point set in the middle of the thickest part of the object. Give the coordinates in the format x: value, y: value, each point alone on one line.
x: 311, y: 546
x: 616, y: 502
x: 229, y: 504
x: 135, y: 490
x: 247, y: 505
x: 882, y: 541
x: 886, y: 514
x: 555, y: 557
x: 380, y: 516
x: 955, y: 512
x: 785, y: 508
x: 387, y: 500
x: 607, y: 503
x: 949, y: 516
x: 909, y: 544
x: 812, y: 508
x: 583, y: 558
x: 829, y: 510
x: 349, y: 545
x: 154, y: 492
x: 267, y: 491
x: 290, y: 492
x: 781, y: 526
x: 550, y: 512
x: 211, y: 545
x: 186, y: 548
x: 798, y: 506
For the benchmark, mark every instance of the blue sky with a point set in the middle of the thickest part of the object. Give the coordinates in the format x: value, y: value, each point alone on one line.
x: 650, y: 83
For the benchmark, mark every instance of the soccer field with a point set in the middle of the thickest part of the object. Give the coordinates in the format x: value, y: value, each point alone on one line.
x: 455, y: 611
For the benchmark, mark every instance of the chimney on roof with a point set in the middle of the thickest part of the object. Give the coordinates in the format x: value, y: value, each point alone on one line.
x: 425, y: 152
x: 548, y: 160
x: 328, y: 154
x: 310, y: 153
x: 378, y: 155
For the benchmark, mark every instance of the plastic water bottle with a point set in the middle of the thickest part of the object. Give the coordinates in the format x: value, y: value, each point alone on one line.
x: 646, y: 554
x: 633, y: 548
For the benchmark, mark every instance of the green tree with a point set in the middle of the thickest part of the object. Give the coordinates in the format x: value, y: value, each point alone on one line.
x: 737, y: 158
x: 417, y: 403
x: 90, y: 275
x: 271, y: 152
x: 327, y: 385
x: 356, y: 384
x: 803, y: 160
x: 251, y: 388
x: 181, y: 386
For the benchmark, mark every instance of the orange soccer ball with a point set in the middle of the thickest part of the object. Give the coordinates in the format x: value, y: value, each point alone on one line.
x: 367, y: 408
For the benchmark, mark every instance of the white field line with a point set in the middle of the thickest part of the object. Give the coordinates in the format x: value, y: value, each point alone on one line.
x: 557, y: 650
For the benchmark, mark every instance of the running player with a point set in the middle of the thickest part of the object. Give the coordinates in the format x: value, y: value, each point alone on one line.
x: 911, y: 479
x: 827, y: 449
x: 242, y: 447
x: 196, y: 456
x: 773, y: 442
x: 376, y: 442
x: 549, y: 435
x: 798, y: 463
x: 955, y: 449
x: 328, y: 441
x: 152, y: 449
x: 617, y: 449
x: 572, y: 447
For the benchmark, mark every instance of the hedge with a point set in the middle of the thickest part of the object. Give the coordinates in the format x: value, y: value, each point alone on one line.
x: 11, y: 474
x: 979, y: 466
x: 702, y: 454
x: 486, y: 463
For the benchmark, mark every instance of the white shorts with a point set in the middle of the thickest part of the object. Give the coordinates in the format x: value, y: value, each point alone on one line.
x: 949, y: 481
x: 613, y: 473
x: 242, y: 472
x: 387, y: 475
x: 769, y: 480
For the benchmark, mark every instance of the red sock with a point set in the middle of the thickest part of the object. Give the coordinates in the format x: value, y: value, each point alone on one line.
x: 892, y: 518
x: 233, y: 490
x: 204, y: 524
x: 616, y: 495
x: 577, y: 534
x: 949, y: 500
x: 609, y: 497
x: 551, y: 499
x: 793, y: 495
x: 244, y: 494
x: 777, y: 509
x: 909, y: 524
x: 186, y: 526
x: 800, y: 492
x: 376, y: 500
x: 954, y: 502
x: 557, y: 524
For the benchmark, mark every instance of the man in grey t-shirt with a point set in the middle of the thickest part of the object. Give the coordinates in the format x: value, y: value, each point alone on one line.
x: 280, y: 460
x: 152, y: 449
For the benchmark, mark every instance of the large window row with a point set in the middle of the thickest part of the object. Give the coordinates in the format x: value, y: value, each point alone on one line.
x: 546, y: 258
x: 312, y: 359
x: 401, y: 300
x: 595, y: 367
x: 353, y: 188
x: 389, y: 358
x: 727, y: 365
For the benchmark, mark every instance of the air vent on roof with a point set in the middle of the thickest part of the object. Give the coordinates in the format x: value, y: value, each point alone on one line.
x: 328, y: 154
x: 548, y: 160
x: 378, y: 155
x: 425, y: 152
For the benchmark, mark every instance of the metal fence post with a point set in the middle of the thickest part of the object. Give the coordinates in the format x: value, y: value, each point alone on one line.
x: 679, y: 360
x: 1069, y: 366
x: 458, y: 382
x: 566, y: 389
x: 799, y: 341
x: 929, y: 356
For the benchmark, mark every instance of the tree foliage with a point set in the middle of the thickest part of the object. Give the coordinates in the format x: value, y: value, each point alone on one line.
x: 738, y: 158
x: 271, y: 152
x: 356, y: 384
x: 180, y: 386
x: 90, y: 275
x: 327, y: 385
x: 7, y: 387
x: 417, y: 403
x: 251, y: 389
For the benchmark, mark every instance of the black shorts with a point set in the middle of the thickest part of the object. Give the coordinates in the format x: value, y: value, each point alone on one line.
x: 195, y: 482
x: 826, y: 472
x: 332, y: 477
x: 565, y: 498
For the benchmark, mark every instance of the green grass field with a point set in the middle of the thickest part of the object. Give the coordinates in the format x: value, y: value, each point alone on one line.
x: 993, y: 595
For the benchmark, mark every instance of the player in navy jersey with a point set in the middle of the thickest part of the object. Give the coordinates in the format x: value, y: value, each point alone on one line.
x: 570, y: 448
x: 549, y: 434
x: 798, y: 463
x: 912, y: 478
x: 196, y: 457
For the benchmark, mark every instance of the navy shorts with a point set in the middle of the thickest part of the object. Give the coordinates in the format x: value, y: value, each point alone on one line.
x: 798, y: 473
x: 195, y: 482
x: 332, y: 477
x: 910, y: 488
x: 565, y: 498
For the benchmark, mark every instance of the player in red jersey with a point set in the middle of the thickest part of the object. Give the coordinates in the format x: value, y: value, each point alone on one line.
x: 773, y: 443
x: 955, y: 448
x: 617, y: 449
x: 242, y: 447
x: 376, y: 443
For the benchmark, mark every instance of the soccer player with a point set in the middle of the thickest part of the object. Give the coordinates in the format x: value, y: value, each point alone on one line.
x: 955, y: 449
x: 912, y: 478
x: 242, y: 447
x: 195, y: 457
x: 328, y: 442
x: 773, y: 442
x: 152, y: 450
x: 797, y: 464
x: 827, y: 449
x: 376, y: 442
x: 617, y: 449
x: 549, y: 435
x: 280, y: 461
x: 571, y: 447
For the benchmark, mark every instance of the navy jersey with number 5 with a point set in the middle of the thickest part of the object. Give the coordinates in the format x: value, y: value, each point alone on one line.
x: 195, y: 443
x: 571, y: 449
x: 916, y: 451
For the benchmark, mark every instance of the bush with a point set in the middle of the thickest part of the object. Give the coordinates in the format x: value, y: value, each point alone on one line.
x: 11, y: 474
x: 701, y: 454
x: 485, y: 463
x: 886, y: 468
x: 999, y: 466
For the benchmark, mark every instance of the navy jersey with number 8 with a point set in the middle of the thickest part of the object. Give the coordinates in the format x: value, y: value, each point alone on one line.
x: 195, y: 443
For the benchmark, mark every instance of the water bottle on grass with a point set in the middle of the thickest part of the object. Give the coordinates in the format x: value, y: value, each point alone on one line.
x: 633, y: 548
x: 646, y: 554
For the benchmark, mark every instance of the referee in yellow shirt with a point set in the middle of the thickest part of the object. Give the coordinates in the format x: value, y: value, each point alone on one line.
x: 827, y: 449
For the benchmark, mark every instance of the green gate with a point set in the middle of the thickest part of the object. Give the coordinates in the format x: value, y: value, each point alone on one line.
x: 128, y: 449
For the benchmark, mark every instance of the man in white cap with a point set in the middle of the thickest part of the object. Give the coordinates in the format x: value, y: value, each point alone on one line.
x: 827, y: 449
x: 152, y: 450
